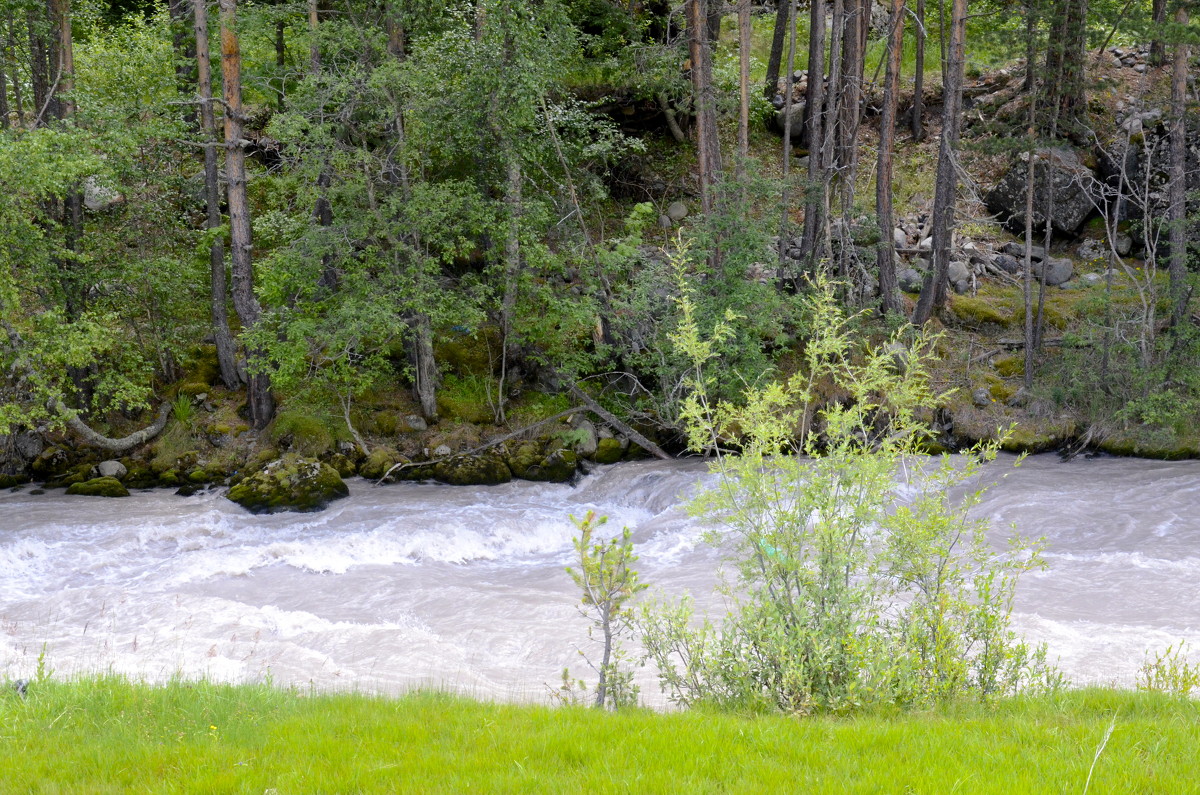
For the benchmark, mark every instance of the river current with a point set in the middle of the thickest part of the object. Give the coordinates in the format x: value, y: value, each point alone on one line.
x: 464, y: 588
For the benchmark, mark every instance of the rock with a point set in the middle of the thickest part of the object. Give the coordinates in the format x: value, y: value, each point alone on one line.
x: 962, y: 286
x: 1091, y: 250
x: 608, y: 451
x: 1070, y: 188
x: 558, y: 467
x: 415, y: 423
x: 28, y: 445
x: 1091, y: 279
x: 1059, y: 270
x: 677, y: 211
x: 111, y: 469
x: 910, y: 280
x: 1017, y: 251
x: 899, y: 238
x: 441, y: 451
x: 1139, y: 68
x: 379, y: 462
x: 98, y: 197
x: 664, y: 222
x: 1123, y: 244
x: 981, y: 398
x: 290, y: 483
x: 484, y: 469
x: 345, y: 467
x: 1020, y: 398
x: 99, y: 487
x: 926, y: 244
x: 1007, y: 263
x: 585, y: 446
x: 957, y: 272
x: 779, y: 120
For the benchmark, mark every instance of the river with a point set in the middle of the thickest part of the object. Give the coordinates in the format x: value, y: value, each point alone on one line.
x: 464, y: 588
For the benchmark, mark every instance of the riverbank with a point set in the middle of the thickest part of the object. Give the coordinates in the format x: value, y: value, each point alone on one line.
x: 110, y: 734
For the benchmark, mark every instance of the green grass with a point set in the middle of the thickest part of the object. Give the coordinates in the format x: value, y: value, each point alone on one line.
x: 107, y: 735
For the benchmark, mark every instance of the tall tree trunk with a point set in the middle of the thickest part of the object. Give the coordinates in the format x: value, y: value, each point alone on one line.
x: 1158, y: 20
x: 1065, y: 64
x: 512, y: 270
x: 814, y: 221
x: 14, y: 72
x: 218, y: 287
x: 245, y: 303
x: 1177, y: 231
x: 778, y: 35
x: 280, y: 63
x: 889, y: 288
x: 708, y: 146
x: 933, y: 293
x: 916, y: 119
x: 39, y: 69
x: 744, y: 92
x: 788, y: 90
x: 4, y: 89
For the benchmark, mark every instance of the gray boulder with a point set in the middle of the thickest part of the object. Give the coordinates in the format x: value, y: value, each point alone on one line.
x: 290, y: 483
x: 1066, y: 195
x: 1017, y: 251
x: 1007, y: 263
x: 677, y: 211
x: 910, y: 280
x: 1059, y: 270
x: 111, y: 469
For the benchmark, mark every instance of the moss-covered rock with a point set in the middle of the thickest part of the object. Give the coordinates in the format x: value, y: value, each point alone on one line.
x: 608, y: 451
x: 557, y: 467
x: 381, y: 459
x: 344, y: 466
x: 169, y: 478
x: 523, y: 457
x: 99, y: 487
x: 301, y: 433
x: 1145, y: 443
x: 484, y: 469
x: 8, y: 481
x: 290, y: 483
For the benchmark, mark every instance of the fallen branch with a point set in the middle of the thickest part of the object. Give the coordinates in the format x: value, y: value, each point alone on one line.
x: 95, y: 439
x: 611, y: 419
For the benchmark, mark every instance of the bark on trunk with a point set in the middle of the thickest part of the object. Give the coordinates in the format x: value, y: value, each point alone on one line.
x: 785, y: 198
x: 1065, y: 64
x: 771, y: 85
x: 218, y: 286
x: 815, y: 202
x: 121, y: 445
x: 889, y: 288
x: 744, y: 90
x: 708, y: 147
x: 183, y: 46
x: 262, y: 403
x: 1177, y: 232
x: 916, y: 119
x: 1158, y: 20
x: 933, y: 293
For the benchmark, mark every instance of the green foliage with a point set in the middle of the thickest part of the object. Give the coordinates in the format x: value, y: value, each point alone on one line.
x: 1170, y: 671
x: 183, y: 409
x: 861, y: 583
x: 607, y: 580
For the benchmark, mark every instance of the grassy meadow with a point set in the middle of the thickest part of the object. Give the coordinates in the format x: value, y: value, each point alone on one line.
x: 107, y: 734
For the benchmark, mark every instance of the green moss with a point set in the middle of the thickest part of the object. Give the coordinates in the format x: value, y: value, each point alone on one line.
x: 99, y: 487
x: 485, y: 469
x: 8, y: 481
x: 608, y: 451
x: 977, y: 311
x: 379, y: 462
x: 169, y: 478
x: 199, y: 475
x: 302, y: 433
x: 1146, y: 443
x: 290, y: 483
x: 1010, y: 366
x: 466, y: 399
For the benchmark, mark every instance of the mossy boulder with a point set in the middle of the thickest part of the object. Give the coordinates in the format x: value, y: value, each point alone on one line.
x: 290, y: 483
x: 523, y: 457
x: 344, y: 465
x: 99, y: 487
x: 608, y: 451
x: 484, y: 469
x: 301, y: 433
x: 8, y: 481
x: 557, y: 467
x: 381, y: 459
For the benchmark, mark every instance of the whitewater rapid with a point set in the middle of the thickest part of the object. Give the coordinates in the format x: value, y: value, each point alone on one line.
x: 464, y: 588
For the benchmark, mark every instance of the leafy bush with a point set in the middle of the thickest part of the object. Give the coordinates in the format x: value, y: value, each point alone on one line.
x: 861, y: 581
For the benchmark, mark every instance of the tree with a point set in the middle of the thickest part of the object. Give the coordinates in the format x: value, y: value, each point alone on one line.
x: 260, y: 399
x: 1064, y: 70
x: 933, y: 292
x: 778, y: 36
x: 608, y: 582
x: 219, y: 291
x: 889, y: 288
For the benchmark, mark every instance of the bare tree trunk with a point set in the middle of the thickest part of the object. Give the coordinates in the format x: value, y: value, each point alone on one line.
x: 14, y: 73
x: 1065, y: 63
x: 708, y: 147
x: 219, y: 290
x: 889, y: 288
x: 1027, y: 265
x: 814, y: 222
x: 245, y: 303
x: 789, y: 85
x: 1177, y: 191
x: 771, y: 86
x: 4, y: 89
x: 916, y: 119
x: 829, y: 163
x: 744, y: 92
x: 933, y: 293
x: 512, y: 269
x: 280, y: 63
